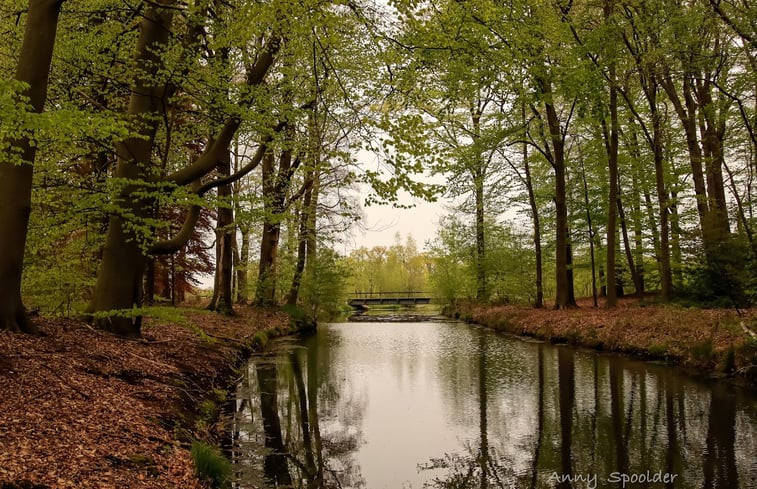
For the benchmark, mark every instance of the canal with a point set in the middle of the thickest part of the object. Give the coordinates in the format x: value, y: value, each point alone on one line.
x: 448, y: 405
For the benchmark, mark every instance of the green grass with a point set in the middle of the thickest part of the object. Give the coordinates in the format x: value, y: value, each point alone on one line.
x: 211, y: 465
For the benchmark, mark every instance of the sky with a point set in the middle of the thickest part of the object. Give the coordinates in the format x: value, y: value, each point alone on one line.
x: 382, y: 222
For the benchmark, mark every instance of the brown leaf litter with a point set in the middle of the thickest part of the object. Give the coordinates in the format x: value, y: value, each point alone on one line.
x: 86, y: 409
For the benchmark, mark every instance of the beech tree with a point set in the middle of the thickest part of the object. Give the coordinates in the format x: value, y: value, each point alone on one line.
x: 17, y: 154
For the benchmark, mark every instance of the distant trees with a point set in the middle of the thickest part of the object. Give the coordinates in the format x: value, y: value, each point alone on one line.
x: 400, y: 267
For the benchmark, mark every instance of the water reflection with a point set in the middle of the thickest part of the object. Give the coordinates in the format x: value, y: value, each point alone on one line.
x: 451, y: 406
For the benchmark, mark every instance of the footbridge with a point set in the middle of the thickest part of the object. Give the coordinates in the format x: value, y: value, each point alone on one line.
x: 361, y: 300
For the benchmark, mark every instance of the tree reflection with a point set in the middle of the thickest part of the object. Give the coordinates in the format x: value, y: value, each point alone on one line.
x: 567, y: 412
x: 567, y: 392
x: 539, y: 415
x: 720, y: 457
x: 275, y: 463
x: 476, y: 466
x: 297, y: 455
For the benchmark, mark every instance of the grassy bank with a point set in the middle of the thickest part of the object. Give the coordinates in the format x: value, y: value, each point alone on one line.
x: 85, y: 409
x: 708, y: 340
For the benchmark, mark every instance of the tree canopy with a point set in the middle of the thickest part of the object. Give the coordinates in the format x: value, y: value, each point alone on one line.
x: 616, y: 138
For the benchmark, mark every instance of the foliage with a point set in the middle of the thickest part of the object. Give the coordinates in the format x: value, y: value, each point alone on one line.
x: 323, y: 286
x: 508, y: 262
x: 399, y: 267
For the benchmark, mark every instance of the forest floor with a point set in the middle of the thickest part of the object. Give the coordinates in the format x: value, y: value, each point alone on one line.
x: 83, y: 408
x: 712, y: 341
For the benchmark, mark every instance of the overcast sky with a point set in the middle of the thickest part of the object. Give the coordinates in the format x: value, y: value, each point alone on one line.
x: 381, y: 223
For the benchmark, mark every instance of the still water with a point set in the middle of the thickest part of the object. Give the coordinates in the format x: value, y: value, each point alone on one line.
x: 448, y: 405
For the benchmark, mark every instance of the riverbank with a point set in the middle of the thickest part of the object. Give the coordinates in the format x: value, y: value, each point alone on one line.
x: 712, y: 341
x: 86, y: 409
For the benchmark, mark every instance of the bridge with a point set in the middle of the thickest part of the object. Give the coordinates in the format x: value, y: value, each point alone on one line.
x: 359, y: 300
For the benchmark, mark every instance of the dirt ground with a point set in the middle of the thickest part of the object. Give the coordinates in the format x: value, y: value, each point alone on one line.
x: 83, y: 408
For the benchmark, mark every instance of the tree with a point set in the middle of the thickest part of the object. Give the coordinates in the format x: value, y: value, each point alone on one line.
x: 119, y: 280
x: 32, y: 71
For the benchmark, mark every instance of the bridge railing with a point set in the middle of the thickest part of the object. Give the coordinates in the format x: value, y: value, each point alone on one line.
x: 388, y: 295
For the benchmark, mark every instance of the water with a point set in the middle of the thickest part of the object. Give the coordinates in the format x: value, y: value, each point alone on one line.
x: 447, y: 405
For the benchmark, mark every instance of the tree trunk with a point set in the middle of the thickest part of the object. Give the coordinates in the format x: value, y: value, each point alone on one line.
x: 478, y: 173
x: 244, y: 262
x: 539, y: 301
x: 243, y: 255
x: 637, y: 284
x: 482, y: 292
x: 714, y: 223
x: 302, y: 240
x: 149, y: 298
x: 33, y: 69
x: 676, y: 263
x: 612, y: 198
x: 306, y: 243
x: 265, y: 292
x: 591, y: 236
x: 637, y: 232
x: 222, y: 300
x: 118, y: 290
x: 666, y: 281
x: 563, y: 276
x: 712, y: 128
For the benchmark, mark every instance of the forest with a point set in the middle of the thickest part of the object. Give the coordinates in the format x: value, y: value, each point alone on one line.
x: 181, y: 181
x: 593, y: 148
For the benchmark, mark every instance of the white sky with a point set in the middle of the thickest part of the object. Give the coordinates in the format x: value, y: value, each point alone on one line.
x: 381, y: 223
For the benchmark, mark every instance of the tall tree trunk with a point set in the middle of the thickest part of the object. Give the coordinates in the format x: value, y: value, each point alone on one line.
x: 265, y: 293
x: 713, y: 224
x: 637, y: 232
x: 482, y: 292
x: 150, y: 282
x: 302, y: 240
x: 666, y: 282
x: 637, y: 284
x: 676, y: 263
x: 479, y: 174
x: 539, y: 300
x: 222, y: 300
x: 563, y: 276
x: 712, y: 128
x: 591, y: 235
x: 243, y: 255
x: 611, y: 142
x: 306, y: 238
x: 33, y: 69
x: 244, y: 263
x: 119, y: 278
